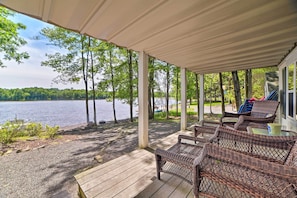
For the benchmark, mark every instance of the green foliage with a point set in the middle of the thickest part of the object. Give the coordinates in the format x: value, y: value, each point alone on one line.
x: 259, y: 80
x: 9, y: 39
x: 8, y: 131
x: 35, y: 93
x: 51, y: 132
x: 162, y: 115
x: 33, y: 129
x: 11, y: 130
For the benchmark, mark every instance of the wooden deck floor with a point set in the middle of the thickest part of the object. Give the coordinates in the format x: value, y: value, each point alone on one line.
x: 133, y: 175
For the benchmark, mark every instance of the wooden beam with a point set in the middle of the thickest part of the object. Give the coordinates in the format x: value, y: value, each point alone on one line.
x: 201, y: 99
x: 183, y: 122
x: 143, y: 100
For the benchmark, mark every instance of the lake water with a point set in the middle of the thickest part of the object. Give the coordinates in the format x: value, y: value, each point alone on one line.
x: 62, y: 113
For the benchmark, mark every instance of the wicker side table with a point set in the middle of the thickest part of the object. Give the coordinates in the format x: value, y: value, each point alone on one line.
x: 178, y: 159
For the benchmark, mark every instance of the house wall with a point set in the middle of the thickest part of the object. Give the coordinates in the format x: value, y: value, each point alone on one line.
x: 287, y: 91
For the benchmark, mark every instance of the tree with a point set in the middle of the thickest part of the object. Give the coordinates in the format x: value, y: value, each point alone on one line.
x: 112, y: 80
x: 211, y: 87
x: 197, y: 94
x: 131, y: 98
x: 236, y: 89
x: 74, y: 63
x: 248, y: 83
x: 151, y: 88
x: 111, y: 65
x: 9, y: 38
x: 176, y: 87
x: 168, y: 81
x: 191, y: 86
x: 92, y: 42
x: 126, y: 77
x: 85, y: 69
x: 222, y: 93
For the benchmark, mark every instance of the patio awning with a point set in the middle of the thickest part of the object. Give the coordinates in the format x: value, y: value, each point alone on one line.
x: 200, y: 35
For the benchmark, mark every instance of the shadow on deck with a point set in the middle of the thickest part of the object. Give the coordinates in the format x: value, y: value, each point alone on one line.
x: 133, y: 175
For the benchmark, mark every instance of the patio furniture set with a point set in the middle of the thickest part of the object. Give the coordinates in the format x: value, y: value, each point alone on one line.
x: 224, y: 162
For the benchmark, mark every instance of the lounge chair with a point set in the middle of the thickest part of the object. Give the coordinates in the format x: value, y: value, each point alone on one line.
x: 263, y: 112
x: 248, y: 103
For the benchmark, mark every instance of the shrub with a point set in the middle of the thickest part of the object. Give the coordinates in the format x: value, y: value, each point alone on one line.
x: 8, y: 131
x: 33, y: 129
x: 51, y: 132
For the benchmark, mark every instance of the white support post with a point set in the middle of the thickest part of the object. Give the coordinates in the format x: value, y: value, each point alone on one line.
x: 183, y: 123
x: 201, y: 98
x: 143, y: 100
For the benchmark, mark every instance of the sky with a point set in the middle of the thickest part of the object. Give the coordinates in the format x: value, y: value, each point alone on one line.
x: 30, y: 73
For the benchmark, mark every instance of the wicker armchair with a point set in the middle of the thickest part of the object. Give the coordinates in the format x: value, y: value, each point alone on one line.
x: 263, y: 112
x: 220, y: 172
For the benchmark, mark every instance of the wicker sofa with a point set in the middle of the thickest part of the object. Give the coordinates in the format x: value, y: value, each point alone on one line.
x: 187, y: 158
x: 220, y: 172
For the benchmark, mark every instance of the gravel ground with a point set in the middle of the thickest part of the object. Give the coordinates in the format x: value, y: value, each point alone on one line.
x: 48, y: 172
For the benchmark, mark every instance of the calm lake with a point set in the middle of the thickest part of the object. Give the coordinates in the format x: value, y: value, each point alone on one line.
x: 62, y: 113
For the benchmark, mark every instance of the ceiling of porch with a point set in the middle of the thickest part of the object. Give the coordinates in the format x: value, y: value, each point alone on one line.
x: 200, y: 35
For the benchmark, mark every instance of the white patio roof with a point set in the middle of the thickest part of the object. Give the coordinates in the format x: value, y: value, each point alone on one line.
x: 204, y: 36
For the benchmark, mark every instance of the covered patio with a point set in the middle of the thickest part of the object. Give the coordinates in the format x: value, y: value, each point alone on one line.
x: 199, y: 36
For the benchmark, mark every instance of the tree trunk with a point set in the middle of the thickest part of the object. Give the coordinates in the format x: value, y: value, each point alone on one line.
x: 112, y: 85
x: 176, y: 94
x: 210, y: 98
x: 222, y: 93
x: 197, y: 94
x: 167, y: 90
x: 248, y: 83
x: 93, y: 85
x: 85, y: 77
x: 130, y: 84
x: 236, y: 89
x: 151, y: 96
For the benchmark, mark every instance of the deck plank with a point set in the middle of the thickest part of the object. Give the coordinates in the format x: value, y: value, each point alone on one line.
x: 154, y: 187
x: 140, y: 185
x: 183, y: 190
x: 91, y: 173
x: 131, y: 180
x: 133, y: 175
x: 107, y: 173
x: 168, y: 188
x: 106, y: 180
